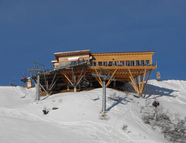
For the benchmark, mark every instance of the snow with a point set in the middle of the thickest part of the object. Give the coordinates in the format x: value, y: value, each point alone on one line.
x: 76, y: 118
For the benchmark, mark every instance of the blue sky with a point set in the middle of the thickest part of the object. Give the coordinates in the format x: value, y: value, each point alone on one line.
x: 32, y: 30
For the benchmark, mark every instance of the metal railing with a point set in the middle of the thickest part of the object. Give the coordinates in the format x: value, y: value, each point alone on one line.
x: 92, y: 63
x: 72, y: 64
x: 120, y: 64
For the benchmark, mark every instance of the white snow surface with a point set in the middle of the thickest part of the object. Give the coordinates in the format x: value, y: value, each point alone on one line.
x: 77, y: 118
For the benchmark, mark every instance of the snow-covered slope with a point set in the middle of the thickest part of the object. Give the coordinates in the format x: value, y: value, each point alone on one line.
x: 171, y: 93
x: 75, y: 117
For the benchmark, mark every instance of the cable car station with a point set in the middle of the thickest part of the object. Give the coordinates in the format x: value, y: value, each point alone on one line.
x: 76, y: 69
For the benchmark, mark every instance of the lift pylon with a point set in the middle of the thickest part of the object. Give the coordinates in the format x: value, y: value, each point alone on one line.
x: 104, y: 78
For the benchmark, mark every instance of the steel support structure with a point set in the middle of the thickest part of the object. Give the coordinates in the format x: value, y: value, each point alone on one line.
x: 103, y: 83
x: 75, y: 80
x: 37, y: 87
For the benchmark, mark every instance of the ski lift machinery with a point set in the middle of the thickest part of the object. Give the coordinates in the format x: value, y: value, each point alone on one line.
x: 24, y: 79
x: 85, y: 82
x: 104, y: 77
x: 38, y: 78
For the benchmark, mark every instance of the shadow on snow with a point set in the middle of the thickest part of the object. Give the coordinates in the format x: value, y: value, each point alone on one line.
x: 158, y: 91
x: 119, y: 100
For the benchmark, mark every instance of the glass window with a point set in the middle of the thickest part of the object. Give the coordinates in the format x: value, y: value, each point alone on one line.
x: 104, y: 63
x: 115, y: 63
x: 110, y: 63
x: 122, y: 63
x: 147, y: 62
x: 62, y: 64
x: 127, y: 63
x: 142, y: 62
x: 73, y: 62
x: 132, y: 63
x: 99, y: 63
x: 94, y: 63
x: 119, y: 63
x: 67, y: 63
x: 137, y: 63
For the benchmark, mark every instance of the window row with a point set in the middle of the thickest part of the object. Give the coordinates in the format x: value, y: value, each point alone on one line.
x: 65, y: 64
x: 122, y: 63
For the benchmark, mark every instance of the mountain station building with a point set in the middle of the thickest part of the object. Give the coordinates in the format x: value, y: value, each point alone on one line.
x: 81, y: 69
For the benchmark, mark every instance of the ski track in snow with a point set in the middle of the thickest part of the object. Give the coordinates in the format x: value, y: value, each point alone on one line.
x: 97, y: 131
x: 128, y: 113
x: 125, y: 114
x: 143, y: 126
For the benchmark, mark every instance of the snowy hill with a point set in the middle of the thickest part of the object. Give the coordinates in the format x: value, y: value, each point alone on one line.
x: 75, y: 117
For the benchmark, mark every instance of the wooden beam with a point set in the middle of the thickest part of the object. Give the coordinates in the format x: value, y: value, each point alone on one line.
x: 144, y: 75
x: 147, y: 80
x: 137, y: 81
x: 53, y: 85
x: 80, y: 76
x: 139, y: 84
x: 133, y: 82
x: 52, y: 81
x: 134, y: 85
x: 79, y: 80
x: 44, y: 89
x: 99, y: 78
x: 67, y: 78
x: 100, y: 82
x: 108, y: 83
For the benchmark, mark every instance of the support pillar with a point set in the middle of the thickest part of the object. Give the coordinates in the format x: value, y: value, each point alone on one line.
x: 104, y: 97
x: 47, y: 85
x: 128, y: 86
x: 79, y: 86
x: 37, y: 88
x: 75, y: 88
x: 91, y: 84
x: 68, y: 86
x: 114, y: 83
x: 133, y: 83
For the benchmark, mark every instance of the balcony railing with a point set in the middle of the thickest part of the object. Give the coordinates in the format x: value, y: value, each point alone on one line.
x: 113, y: 64
x: 72, y: 64
x: 103, y: 64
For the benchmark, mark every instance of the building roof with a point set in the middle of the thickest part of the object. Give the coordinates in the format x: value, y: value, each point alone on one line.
x: 72, y: 53
x: 87, y: 52
x: 125, y: 53
x: 54, y: 61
